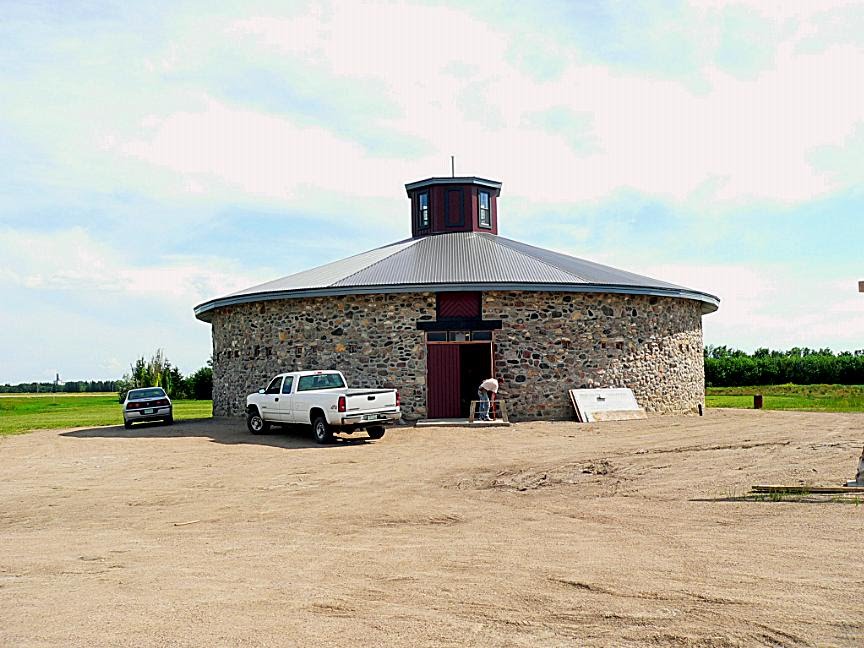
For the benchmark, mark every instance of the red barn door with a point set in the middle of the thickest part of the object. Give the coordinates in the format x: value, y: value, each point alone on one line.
x: 443, y: 381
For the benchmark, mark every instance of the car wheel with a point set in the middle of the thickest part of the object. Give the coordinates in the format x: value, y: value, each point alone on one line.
x: 323, y: 433
x: 127, y: 425
x: 169, y: 420
x: 255, y: 423
x: 375, y: 432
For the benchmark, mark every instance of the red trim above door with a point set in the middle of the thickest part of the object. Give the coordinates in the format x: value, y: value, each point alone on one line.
x: 459, y: 305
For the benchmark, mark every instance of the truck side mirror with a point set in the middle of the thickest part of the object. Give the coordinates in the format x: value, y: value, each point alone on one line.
x: 261, y: 391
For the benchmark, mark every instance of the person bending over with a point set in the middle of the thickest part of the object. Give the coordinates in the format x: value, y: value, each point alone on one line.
x: 487, y: 391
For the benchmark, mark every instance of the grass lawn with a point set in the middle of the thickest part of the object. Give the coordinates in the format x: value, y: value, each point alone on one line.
x: 23, y: 412
x: 823, y: 398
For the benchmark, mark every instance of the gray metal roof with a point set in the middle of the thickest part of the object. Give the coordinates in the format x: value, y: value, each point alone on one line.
x: 457, y: 261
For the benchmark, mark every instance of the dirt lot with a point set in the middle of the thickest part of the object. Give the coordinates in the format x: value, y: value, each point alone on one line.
x: 553, y: 534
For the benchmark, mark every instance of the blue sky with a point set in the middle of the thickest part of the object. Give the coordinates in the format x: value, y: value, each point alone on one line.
x: 155, y: 155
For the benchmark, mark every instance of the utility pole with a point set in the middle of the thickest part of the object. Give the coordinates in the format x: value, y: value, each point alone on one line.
x: 859, y: 476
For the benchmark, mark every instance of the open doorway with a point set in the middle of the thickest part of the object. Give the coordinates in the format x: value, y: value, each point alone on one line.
x: 455, y: 371
x: 475, y: 366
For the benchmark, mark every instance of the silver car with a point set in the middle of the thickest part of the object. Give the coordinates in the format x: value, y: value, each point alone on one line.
x: 147, y: 404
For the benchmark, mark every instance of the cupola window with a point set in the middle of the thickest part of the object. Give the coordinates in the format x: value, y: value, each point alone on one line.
x: 484, y: 215
x: 423, y: 210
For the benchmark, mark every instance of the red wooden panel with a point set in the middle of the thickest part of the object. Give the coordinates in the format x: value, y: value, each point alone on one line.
x: 454, y: 209
x: 494, y: 206
x: 437, y: 198
x: 442, y: 387
x: 458, y: 305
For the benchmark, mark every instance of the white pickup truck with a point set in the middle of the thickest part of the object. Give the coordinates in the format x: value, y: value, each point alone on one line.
x: 321, y: 399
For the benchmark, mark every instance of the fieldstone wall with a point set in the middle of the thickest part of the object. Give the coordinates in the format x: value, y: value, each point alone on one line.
x: 372, y: 339
x: 552, y: 342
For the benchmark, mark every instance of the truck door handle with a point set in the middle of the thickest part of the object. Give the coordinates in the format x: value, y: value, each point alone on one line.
x: 276, y: 399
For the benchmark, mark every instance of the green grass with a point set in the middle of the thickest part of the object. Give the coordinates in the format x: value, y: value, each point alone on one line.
x: 819, y: 398
x: 22, y: 413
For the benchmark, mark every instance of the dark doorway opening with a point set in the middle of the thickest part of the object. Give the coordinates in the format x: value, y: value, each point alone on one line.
x: 475, y: 362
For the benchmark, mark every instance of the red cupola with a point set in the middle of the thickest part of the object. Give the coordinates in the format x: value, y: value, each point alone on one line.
x: 442, y: 205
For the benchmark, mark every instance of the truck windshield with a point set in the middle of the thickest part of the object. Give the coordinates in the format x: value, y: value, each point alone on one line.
x: 320, y: 381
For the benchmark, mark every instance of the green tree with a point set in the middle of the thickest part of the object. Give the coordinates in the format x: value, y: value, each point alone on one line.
x: 155, y: 372
x: 200, y: 384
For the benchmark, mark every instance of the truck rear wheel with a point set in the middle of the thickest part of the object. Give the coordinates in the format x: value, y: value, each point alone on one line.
x: 323, y: 433
x: 375, y: 432
x: 256, y: 423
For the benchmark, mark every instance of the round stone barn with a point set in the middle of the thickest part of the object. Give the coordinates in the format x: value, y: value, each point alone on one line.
x: 436, y: 314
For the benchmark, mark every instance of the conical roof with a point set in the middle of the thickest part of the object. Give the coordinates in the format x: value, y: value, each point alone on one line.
x: 457, y: 261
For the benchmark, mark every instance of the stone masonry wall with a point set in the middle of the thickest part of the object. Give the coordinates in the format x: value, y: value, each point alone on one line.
x: 551, y: 342
x: 372, y: 339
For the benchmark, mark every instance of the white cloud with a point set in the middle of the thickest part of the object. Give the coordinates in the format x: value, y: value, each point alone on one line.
x: 258, y: 154
x: 75, y: 303
x: 170, y: 132
x: 773, y: 305
x: 748, y: 138
x: 72, y: 260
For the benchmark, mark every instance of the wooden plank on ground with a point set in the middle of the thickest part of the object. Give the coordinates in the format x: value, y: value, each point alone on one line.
x: 575, y: 405
x: 826, y: 490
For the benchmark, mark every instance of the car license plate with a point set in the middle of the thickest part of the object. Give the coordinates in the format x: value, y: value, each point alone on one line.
x: 370, y: 417
x: 150, y: 411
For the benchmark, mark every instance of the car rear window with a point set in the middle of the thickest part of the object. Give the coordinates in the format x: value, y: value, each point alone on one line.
x: 320, y: 381
x: 153, y: 392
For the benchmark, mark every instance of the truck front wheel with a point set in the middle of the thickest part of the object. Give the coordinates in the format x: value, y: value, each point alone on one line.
x: 323, y: 433
x: 256, y: 423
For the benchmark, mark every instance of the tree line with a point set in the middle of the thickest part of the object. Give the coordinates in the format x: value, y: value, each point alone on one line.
x: 69, y: 387
x: 725, y: 367
x: 156, y: 371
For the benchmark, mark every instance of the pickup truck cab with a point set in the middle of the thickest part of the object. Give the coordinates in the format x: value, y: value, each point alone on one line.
x: 321, y: 399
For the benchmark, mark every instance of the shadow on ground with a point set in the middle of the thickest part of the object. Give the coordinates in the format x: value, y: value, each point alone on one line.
x: 227, y: 431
